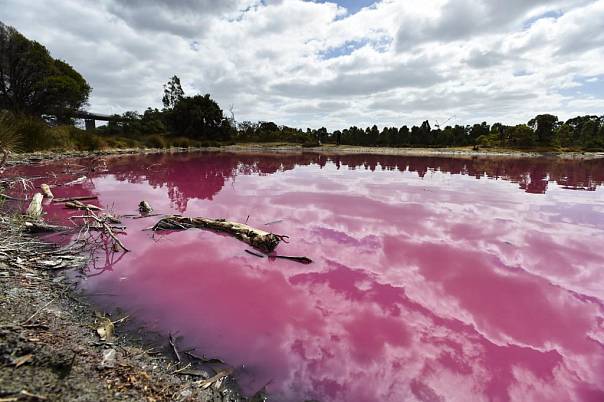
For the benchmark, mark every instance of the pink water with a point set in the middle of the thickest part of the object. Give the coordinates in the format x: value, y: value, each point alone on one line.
x: 433, y: 279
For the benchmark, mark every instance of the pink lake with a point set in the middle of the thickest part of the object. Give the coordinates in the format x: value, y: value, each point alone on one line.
x: 434, y: 279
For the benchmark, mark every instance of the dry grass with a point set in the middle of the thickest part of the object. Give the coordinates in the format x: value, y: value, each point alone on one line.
x: 9, y: 136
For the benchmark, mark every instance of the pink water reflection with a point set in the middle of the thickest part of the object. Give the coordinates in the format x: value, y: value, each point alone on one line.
x: 434, y: 279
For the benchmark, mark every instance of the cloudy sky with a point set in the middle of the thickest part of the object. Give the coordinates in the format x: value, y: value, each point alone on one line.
x: 333, y: 63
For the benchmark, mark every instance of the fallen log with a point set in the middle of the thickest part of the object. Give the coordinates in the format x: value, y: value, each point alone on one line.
x: 79, y: 205
x: 41, y: 227
x: 259, y: 239
x: 82, y: 198
x: 35, y: 207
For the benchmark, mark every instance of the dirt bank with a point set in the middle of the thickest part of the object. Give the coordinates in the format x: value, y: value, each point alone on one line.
x: 50, y: 348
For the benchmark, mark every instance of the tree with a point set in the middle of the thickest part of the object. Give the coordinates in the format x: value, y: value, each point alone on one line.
x: 563, y: 136
x: 173, y: 93
x: 32, y: 82
x: 199, y: 117
x: 544, y: 126
x: 520, y: 136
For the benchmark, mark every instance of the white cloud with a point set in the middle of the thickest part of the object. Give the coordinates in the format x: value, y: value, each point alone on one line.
x: 278, y: 60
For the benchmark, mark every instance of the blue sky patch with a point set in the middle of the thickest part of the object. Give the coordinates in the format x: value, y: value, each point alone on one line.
x: 550, y: 14
x: 347, y: 48
x: 351, y: 5
x: 344, y: 50
x: 588, y: 87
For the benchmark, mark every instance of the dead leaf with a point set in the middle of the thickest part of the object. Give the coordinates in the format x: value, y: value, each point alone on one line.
x: 105, y: 329
x: 19, y: 361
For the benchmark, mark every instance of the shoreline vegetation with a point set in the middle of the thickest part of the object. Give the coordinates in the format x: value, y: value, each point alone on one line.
x: 40, y: 98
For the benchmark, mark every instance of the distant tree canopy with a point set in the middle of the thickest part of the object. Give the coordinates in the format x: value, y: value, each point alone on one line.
x: 32, y: 82
x: 586, y: 132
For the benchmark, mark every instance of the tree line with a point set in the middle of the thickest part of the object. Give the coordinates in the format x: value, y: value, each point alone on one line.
x: 34, y: 85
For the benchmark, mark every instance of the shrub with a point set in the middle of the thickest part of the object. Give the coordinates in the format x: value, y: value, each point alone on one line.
x: 10, y: 138
x: 34, y: 134
x: 86, y: 141
x: 156, y: 141
x: 310, y: 143
x: 182, y: 142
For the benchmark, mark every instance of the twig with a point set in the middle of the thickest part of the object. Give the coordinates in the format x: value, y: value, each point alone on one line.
x: 144, y: 216
x: 37, y: 312
x: 254, y: 253
x: 182, y: 369
x: 121, y: 319
x: 204, y: 359
x: 174, y: 348
x: 301, y: 260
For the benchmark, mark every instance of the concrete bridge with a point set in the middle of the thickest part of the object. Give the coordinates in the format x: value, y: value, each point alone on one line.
x: 91, y: 118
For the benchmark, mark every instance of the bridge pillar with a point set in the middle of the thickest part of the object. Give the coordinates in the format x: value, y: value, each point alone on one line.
x: 90, y: 124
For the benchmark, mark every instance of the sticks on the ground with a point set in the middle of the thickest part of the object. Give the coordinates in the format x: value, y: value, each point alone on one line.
x: 37, y: 312
x: 259, y: 239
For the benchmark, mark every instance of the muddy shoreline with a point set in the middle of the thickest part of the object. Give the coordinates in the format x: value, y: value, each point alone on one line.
x: 324, y: 150
x: 51, y: 350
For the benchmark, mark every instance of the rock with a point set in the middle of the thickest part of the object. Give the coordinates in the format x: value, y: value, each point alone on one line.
x: 109, y: 357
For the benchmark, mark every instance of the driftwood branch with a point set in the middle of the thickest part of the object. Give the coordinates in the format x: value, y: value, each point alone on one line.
x: 259, y: 239
x: 82, y: 198
x: 80, y: 205
x: 103, y: 225
x: 35, y: 207
x: 41, y: 227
